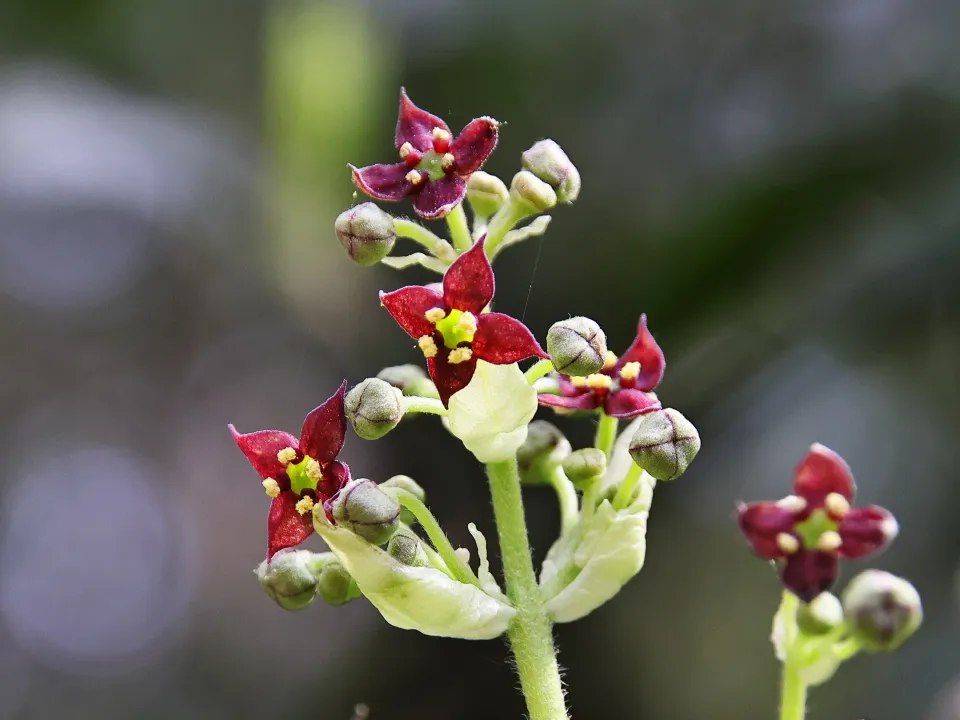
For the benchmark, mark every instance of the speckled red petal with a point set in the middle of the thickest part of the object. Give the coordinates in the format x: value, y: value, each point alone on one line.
x: 474, y: 144
x: 501, y: 340
x: 415, y: 125
x: 408, y: 306
x: 325, y: 428
x: 261, y: 449
x: 468, y: 284
x: 821, y: 472
x: 285, y: 526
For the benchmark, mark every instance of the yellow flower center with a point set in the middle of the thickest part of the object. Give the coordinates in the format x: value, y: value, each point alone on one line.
x: 304, y: 475
x: 457, y: 327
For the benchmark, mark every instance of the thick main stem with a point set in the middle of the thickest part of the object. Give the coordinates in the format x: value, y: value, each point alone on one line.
x: 530, y: 632
x: 793, y: 689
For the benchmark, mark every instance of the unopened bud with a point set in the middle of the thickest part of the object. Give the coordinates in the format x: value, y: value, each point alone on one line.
x: 533, y: 191
x: 362, y: 507
x: 577, y: 346
x: 882, y: 610
x: 374, y: 408
x: 544, y: 448
x: 335, y: 586
x: 664, y: 444
x: 821, y: 615
x: 550, y: 163
x: 406, y: 547
x: 366, y: 232
x: 584, y: 465
x: 409, y: 379
x: 486, y: 193
x: 290, y: 578
x: 404, y: 482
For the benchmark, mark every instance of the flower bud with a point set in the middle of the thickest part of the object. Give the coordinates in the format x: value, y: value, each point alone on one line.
x: 404, y: 482
x: 532, y: 191
x: 366, y: 232
x: 577, y: 346
x: 361, y: 506
x: 584, y: 465
x: 882, y: 610
x: 406, y: 548
x: 550, y: 163
x: 664, y: 444
x: 486, y: 193
x: 821, y: 615
x: 544, y: 448
x: 290, y: 578
x: 374, y: 408
x: 335, y: 586
x: 409, y: 379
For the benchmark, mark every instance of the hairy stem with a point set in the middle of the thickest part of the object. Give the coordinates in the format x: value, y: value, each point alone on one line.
x: 567, y: 497
x: 437, y: 246
x: 538, y: 370
x: 459, y: 229
x: 606, y: 434
x: 415, y: 403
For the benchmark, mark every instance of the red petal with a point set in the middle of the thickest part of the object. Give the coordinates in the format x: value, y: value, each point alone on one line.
x: 415, y: 126
x: 807, y: 573
x: 628, y: 403
x: 820, y: 473
x: 408, y: 306
x: 645, y: 351
x: 501, y: 340
x: 761, y: 523
x: 468, y: 284
x: 261, y: 449
x: 285, y: 526
x: 474, y: 144
x: 325, y: 428
x: 586, y: 401
x: 384, y: 182
x: 866, y: 530
x: 335, y: 475
x: 438, y: 197
x: 449, y: 378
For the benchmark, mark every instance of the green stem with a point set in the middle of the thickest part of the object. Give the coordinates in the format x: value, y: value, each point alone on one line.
x: 606, y: 434
x: 567, y: 496
x: 438, y: 247
x: 793, y: 690
x: 415, y: 403
x: 846, y: 649
x: 625, y: 491
x: 459, y: 229
x: 538, y: 370
x: 530, y: 631
x: 502, y: 223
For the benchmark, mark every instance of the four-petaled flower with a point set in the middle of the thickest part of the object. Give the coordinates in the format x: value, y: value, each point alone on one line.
x: 434, y: 164
x: 809, y: 530
x: 299, y: 474
x: 622, y: 387
x: 452, y: 329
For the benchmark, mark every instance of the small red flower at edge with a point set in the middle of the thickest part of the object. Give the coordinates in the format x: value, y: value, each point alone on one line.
x: 621, y: 388
x: 299, y: 474
x: 434, y: 165
x: 809, y: 530
x: 451, y: 328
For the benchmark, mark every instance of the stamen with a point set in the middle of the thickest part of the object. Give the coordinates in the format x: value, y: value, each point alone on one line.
x: 271, y: 487
x: 793, y: 503
x: 287, y: 456
x: 836, y: 505
x: 578, y: 382
x: 630, y: 371
x: 467, y: 323
x: 610, y: 361
x: 435, y: 315
x: 463, y: 554
x: 312, y: 468
x: 427, y: 346
x: 440, y: 134
x: 787, y: 543
x: 414, y: 177
x: 599, y: 381
x: 829, y: 541
x: 441, y: 140
x: 305, y: 505
x: 405, y: 150
x: 448, y: 161
x: 459, y: 355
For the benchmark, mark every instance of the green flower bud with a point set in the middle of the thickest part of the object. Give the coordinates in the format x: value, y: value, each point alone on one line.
x: 290, y: 578
x: 407, y: 548
x: 577, y: 346
x: 882, y: 610
x: 550, y: 163
x: 584, y: 465
x: 486, y: 193
x: 664, y: 444
x: 409, y: 379
x: 530, y: 190
x: 374, y: 408
x: 821, y: 615
x: 335, y: 586
x: 361, y: 506
x: 544, y: 448
x: 404, y: 482
x: 366, y: 232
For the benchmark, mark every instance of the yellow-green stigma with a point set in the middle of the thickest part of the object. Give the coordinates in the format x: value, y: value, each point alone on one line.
x: 818, y: 524
x: 303, y: 475
x: 457, y: 327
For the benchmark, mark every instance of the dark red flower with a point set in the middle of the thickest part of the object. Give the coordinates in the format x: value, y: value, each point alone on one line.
x: 299, y: 474
x: 622, y: 387
x: 451, y: 327
x: 809, y: 530
x: 434, y: 166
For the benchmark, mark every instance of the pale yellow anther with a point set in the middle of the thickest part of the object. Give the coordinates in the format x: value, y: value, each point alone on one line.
x: 414, y: 177
x: 578, y: 382
x: 467, y: 323
x: 599, y: 381
x: 313, y: 471
x: 447, y: 161
x: 787, y: 543
x: 271, y: 487
x: 459, y: 355
x: 405, y: 150
x: 435, y: 315
x: 305, y: 505
x: 630, y: 371
x: 427, y: 346
x: 793, y: 503
x: 440, y: 134
x: 611, y: 360
x: 829, y: 541
x: 287, y: 456
x: 836, y: 504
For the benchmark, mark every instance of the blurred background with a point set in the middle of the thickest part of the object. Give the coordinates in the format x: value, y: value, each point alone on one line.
x: 775, y: 183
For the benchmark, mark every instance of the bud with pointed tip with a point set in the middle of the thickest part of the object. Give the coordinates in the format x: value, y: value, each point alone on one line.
x: 882, y: 610
x: 486, y: 193
x: 550, y: 163
x: 578, y: 346
x: 366, y: 232
x: 664, y: 444
x: 544, y: 448
x: 335, y: 586
x: 404, y: 482
x: 584, y: 465
x: 533, y: 192
x: 362, y: 507
x: 409, y: 379
x: 821, y: 615
x: 407, y: 548
x: 290, y: 578
x: 374, y: 408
